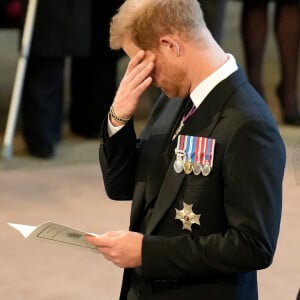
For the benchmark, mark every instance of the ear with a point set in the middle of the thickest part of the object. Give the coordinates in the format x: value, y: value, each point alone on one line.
x: 169, y: 43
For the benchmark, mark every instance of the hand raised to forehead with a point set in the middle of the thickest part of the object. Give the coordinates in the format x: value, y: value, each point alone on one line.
x: 136, y: 80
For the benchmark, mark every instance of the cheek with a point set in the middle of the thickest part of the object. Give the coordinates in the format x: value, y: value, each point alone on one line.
x: 155, y: 74
x: 160, y: 71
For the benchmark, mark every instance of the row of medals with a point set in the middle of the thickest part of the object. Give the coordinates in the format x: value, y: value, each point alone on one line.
x: 186, y: 165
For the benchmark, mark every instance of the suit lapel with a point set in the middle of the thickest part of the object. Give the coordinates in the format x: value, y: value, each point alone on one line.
x: 156, y: 134
x: 202, y: 123
x: 161, y: 162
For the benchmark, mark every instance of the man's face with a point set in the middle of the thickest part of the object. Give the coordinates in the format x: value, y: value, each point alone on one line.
x: 166, y: 75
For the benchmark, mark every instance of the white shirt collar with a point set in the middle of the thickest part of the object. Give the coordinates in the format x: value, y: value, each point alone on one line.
x: 209, y: 83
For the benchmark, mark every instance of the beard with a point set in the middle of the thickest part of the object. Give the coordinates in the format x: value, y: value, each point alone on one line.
x: 175, y: 84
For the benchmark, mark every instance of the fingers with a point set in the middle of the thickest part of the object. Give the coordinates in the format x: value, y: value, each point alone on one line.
x: 91, y: 239
x: 104, y: 244
x: 139, y: 77
x: 135, y: 81
x: 134, y: 61
x: 137, y: 60
x: 140, y: 64
x: 143, y: 86
x: 123, y: 248
x: 106, y: 240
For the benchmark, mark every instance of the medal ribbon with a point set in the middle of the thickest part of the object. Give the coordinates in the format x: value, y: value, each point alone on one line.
x: 185, y: 147
x: 198, y: 149
x: 212, y: 153
x: 191, y: 151
x: 182, y: 142
x: 179, y: 150
x: 203, y: 150
x: 209, y: 153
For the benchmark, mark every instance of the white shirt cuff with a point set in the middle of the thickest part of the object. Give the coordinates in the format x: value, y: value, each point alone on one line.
x: 111, y: 129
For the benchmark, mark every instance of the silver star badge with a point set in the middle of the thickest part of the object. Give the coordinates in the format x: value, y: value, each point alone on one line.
x: 187, y: 216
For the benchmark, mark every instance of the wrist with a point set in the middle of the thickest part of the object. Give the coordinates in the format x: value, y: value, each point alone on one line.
x: 115, y: 119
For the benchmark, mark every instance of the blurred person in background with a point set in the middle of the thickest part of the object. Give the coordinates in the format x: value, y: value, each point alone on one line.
x: 64, y: 28
x: 94, y: 77
x: 214, y: 12
x: 10, y: 11
x: 254, y: 27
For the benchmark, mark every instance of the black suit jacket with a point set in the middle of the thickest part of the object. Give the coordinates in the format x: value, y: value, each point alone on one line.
x: 239, y: 201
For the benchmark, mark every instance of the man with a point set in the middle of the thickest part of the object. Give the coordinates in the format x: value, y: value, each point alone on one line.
x: 205, y: 176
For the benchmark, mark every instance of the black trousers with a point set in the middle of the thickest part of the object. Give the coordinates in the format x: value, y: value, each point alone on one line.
x: 92, y: 90
x: 214, y: 11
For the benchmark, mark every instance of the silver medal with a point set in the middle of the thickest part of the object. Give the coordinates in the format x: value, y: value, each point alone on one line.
x: 178, y: 165
x: 197, y: 168
x: 206, y: 169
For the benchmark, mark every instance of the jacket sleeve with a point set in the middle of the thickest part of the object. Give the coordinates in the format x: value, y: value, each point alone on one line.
x: 117, y: 156
x: 253, y: 167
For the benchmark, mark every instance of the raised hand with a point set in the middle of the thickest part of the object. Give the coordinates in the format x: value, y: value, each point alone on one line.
x: 136, y: 80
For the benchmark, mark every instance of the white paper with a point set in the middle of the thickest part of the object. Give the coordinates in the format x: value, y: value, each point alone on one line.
x: 25, y: 230
x: 58, y: 233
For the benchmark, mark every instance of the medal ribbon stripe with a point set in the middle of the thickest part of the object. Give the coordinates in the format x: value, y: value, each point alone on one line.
x: 197, y: 168
x: 212, y: 152
x: 197, y: 150
x: 203, y: 149
x: 191, y: 151
x: 207, y: 152
x: 178, y: 150
x: 182, y: 141
x: 178, y: 145
x: 185, y: 150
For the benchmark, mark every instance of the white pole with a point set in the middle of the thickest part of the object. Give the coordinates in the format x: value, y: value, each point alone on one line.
x: 7, y: 148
